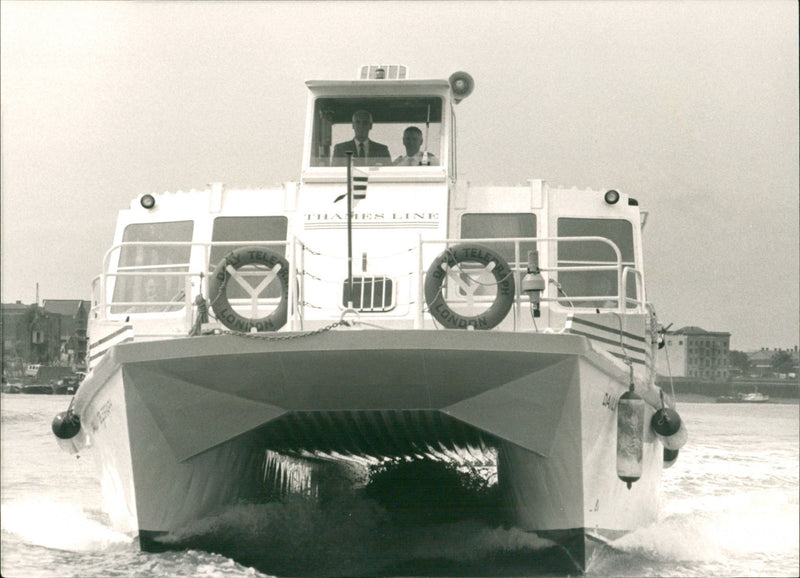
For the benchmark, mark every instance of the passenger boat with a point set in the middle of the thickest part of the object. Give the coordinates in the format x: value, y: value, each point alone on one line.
x: 248, y: 343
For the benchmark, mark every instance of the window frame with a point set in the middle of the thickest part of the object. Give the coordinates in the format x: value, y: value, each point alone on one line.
x: 323, y: 136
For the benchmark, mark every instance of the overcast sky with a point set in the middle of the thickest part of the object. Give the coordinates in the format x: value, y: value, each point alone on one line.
x: 691, y: 107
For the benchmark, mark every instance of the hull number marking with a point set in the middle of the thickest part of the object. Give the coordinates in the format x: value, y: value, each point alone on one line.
x: 102, y: 415
x: 609, y: 401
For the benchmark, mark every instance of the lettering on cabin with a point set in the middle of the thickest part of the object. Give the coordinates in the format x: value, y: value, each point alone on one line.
x: 415, y: 216
x: 403, y: 217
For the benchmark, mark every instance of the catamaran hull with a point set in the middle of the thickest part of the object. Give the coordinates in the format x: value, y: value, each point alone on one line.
x: 181, y: 427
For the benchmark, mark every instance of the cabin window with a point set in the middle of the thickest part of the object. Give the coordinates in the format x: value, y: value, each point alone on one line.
x: 247, y: 231
x: 391, y: 116
x: 502, y: 225
x: 149, y: 261
x: 600, y: 285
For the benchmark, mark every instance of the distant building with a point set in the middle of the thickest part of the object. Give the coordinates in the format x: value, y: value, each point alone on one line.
x: 694, y: 353
x: 10, y: 315
x: 51, y: 334
x: 761, y: 362
x: 74, y: 315
x: 30, y: 335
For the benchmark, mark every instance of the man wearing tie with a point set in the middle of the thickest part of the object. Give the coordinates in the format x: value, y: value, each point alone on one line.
x: 365, y: 151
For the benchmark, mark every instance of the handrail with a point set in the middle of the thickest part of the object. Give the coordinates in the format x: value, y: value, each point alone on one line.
x: 139, y: 270
x: 198, y: 266
x: 519, y: 266
x: 640, y: 289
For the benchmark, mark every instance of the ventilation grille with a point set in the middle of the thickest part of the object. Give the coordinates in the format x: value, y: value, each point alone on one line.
x: 383, y: 72
x: 370, y: 293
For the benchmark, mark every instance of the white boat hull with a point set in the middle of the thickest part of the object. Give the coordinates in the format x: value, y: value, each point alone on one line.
x: 181, y: 427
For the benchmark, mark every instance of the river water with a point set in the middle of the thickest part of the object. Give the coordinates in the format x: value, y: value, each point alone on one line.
x: 729, y: 507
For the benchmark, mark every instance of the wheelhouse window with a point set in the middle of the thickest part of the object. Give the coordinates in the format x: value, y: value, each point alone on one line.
x: 499, y: 226
x: 248, y: 231
x: 391, y: 116
x: 151, y: 264
x: 593, y: 288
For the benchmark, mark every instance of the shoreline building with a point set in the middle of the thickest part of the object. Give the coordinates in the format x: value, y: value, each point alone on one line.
x: 761, y: 362
x: 10, y: 316
x: 74, y: 316
x: 694, y: 353
x: 30, y: 335
x: 53, y: 333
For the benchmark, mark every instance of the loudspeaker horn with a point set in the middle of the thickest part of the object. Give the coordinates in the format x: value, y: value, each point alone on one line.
x: 462, y: 85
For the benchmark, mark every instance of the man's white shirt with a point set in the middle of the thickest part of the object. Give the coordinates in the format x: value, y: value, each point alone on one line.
x: 414, y: 160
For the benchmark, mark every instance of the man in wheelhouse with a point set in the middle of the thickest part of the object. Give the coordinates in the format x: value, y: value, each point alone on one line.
x: 365, y: 151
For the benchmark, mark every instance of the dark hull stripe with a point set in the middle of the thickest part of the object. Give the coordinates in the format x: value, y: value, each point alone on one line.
x: 594, y: 337
x: 633, y: 359
x: 110, y: 336
x: 102, y: 353
x: 616, y: 332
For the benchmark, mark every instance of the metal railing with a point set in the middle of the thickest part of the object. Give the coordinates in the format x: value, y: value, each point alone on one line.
x: 550, y: 272
x: 179, y: 309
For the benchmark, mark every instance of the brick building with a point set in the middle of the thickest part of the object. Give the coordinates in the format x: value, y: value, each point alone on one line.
x: 695, y: 353
x: 74, y: 315
x: 51, y: 334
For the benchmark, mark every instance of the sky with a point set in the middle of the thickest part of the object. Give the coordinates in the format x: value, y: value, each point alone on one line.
x: 690, y: 107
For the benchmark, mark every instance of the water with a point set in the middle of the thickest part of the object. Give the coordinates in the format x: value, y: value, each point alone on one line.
x: 729, y: 507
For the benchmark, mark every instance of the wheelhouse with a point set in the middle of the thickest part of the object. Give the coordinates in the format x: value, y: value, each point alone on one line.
x: 391, y: 116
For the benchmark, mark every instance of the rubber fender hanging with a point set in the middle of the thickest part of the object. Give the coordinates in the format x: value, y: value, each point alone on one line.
x: 66, y: 425
x: 669, y: 427
x: 670, y: 457
x: 217, y: 289
x: 469, y: 253
x: 630, y: 437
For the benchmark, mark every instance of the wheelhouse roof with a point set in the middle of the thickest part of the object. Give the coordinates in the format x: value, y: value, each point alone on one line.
x: 440, y: 83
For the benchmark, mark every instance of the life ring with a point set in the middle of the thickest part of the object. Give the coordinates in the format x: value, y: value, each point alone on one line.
x: 222, y: 275
x: 472, y: 253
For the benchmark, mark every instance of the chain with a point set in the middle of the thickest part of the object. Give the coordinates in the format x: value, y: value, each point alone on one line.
x: 280, y: 336
x: 308, y: 249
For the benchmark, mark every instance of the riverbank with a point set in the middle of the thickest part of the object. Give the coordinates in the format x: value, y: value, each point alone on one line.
x: 784, y: 389
x: 700, y: 398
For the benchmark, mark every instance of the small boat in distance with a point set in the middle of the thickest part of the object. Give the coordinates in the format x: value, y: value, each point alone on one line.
x: 67, y: 384
x: 744, y: 397
x: 251, y: 346
x: 37, y: 388
x: 15, y: 387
